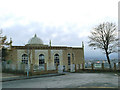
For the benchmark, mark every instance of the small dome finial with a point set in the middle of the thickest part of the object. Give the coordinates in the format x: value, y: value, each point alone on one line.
x: 82, y: 44
x: 35, y: 35
x: 50, y: 43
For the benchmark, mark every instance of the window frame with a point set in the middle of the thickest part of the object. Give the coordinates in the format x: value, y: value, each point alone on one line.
x: 41, y: 59
x: 56, y: 59
x: 69, y: 58
x: 25, y: 59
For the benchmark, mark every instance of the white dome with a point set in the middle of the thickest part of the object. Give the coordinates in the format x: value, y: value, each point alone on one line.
x: 35, y: 40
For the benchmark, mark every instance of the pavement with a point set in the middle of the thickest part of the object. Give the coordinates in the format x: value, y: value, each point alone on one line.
x: 11, y: 77
x: 70, y: 80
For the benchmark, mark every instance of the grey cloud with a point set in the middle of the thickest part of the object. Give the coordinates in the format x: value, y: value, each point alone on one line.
x: 21, y: 35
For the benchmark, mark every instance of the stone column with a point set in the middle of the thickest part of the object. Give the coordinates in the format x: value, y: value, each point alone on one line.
x: 50, y: 65
x: 119, y: 65
x: 57, y: 66
x: 92, y: 65
x: 33, y: 56
x: 23, y: 67
x: 79, y: 66
x: 114, y: 66
x: 102, y: 66
x: 31, y: 68
x: 75, y: 67
x: 45, y: 67
x: 83, y: 66
x: 16, y: 65
x: 71, y: 61
x: 72, y: 68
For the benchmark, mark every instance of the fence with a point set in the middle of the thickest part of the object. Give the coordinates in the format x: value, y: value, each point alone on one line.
x: 14, y: 68
x: 102, y: 66
x: 23, y: 68
x: 44, y: 69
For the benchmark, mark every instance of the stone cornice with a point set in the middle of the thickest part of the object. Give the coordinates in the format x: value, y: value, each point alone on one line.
x: 44, y: 47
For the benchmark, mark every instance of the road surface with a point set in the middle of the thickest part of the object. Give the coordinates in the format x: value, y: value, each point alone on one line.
x: 70, y: 80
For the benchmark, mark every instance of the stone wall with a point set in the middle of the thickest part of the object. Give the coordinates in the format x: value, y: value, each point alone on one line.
x: 16, y: 56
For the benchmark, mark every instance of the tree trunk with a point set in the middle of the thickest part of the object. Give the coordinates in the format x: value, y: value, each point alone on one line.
x: 107, y: 55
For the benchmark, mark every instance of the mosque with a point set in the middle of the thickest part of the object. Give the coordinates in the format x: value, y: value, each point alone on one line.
x: 36, y: 53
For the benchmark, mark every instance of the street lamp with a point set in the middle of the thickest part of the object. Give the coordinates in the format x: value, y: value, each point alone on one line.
x: 28, y: 61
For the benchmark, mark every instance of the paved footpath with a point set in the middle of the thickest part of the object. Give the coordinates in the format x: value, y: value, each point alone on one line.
x: 11, y: 77
x: 70, y: 80
x: 6, y: 76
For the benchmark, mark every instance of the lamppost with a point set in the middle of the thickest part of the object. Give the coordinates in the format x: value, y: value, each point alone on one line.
x: 28, y: 61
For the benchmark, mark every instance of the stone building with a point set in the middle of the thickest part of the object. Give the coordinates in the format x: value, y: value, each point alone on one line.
x: 36, y: 53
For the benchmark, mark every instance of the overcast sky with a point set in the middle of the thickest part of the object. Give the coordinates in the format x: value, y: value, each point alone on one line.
x: 65, y: 22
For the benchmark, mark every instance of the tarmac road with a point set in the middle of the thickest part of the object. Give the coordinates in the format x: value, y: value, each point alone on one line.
x: 70, y: 80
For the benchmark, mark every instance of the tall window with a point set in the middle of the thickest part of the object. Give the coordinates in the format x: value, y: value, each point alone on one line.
x: 56, y: 59
x: 25, y: 59
x: 68, y: 59
x: 41, y: 59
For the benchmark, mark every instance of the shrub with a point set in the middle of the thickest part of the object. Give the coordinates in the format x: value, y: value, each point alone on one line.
x: 9, y: 61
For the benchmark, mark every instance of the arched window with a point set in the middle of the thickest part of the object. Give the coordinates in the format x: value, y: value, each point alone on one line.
x: 68, y: 59
x: 41, y: 59
x: 56, y: 59
x: 25, y: 59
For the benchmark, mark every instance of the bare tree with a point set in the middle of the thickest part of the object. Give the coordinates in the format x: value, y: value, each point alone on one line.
x: 104, y: 37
